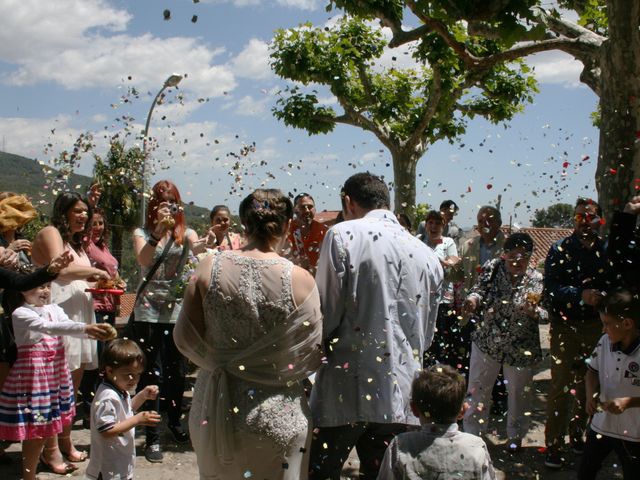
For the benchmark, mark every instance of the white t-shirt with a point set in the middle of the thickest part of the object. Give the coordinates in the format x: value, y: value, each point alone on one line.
x: 112, y: 457
x: 619, y: 376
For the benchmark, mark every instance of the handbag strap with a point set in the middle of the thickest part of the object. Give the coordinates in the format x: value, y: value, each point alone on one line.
x: 154, y: 269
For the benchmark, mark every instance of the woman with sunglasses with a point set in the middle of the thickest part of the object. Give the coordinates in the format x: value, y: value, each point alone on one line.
x: 506, y: 295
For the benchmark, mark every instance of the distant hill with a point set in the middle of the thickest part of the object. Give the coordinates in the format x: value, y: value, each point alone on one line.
x: 26, y: 176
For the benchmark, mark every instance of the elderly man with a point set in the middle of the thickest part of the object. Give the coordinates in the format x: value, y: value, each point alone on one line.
x: 475, y: 253
x: 478, y: 250
x: 306, y: 234
x: 379, y: 288
x: 576, y: 275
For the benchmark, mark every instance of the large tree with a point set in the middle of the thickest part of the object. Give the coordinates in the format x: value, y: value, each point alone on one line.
x: 120, y: 178
x: 407, y: 109
x: 606, y: 39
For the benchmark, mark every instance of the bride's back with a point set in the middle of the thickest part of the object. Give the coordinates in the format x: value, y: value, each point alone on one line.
x: 247, y: 297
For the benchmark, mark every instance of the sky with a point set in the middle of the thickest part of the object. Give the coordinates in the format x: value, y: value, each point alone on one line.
x: 74, y: 66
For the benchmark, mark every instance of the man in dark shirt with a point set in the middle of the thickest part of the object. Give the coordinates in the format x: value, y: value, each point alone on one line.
x: 576, y: 274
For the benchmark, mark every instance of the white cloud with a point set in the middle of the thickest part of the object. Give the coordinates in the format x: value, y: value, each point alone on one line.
x: 301, y: 4
x: 556, y: 67
x: 99, y: 118
x: 30, y: 136
x: 72, y: 43
x: 253, y: 61
x: 250, y: 107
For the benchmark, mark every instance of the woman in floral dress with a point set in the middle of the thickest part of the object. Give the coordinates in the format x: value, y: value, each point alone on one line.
x: 506, y: 296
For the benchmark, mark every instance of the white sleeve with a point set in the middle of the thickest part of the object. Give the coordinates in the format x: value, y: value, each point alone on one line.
x: 331, y: 278
x: 58, y: 324
x: 386, y: 467
x: 488, y: 473
x: 105, y: 415
x: 436, y: 277
x: 452, y: 250
x: 593, y: 362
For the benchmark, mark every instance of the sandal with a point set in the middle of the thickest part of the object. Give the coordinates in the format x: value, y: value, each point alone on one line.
x: 74, y: 455
x: 64, y: 469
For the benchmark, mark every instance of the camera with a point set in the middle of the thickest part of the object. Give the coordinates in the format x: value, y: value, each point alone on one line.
x: 174, y: 209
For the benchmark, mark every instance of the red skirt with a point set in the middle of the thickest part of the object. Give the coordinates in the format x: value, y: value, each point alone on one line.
x: 37, y: 398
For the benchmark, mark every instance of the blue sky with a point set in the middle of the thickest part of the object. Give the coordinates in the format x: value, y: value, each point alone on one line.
x: 67, y: 67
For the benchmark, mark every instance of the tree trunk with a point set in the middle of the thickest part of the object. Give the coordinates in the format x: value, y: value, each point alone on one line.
x: 404, y: 182
x: 618, y: 171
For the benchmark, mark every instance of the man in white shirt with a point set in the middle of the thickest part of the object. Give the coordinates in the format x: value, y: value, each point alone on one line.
x: 379, y: 290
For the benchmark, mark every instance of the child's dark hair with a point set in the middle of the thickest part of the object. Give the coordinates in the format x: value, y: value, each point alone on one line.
x: 121, y: 352
x: 622, y: 303
x: 438, y: 393
x: 12, y: 299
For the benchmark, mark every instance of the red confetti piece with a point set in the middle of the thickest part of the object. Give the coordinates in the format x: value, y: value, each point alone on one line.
x: 613, y: 171
x: 489, y: 186
x: 565, y: 164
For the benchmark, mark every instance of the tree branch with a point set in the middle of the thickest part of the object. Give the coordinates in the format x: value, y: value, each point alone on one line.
x: 564, y: 27
x: 438, y: 27
x: 590, y: 76
x: 433, y: 102
x: 366, y: 83
x: 578, y: 48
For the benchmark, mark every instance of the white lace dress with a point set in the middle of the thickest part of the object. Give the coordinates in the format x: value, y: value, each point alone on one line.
x: 249, y: 417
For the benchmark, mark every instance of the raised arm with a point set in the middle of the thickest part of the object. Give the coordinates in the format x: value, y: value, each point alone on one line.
x: 49, y: 244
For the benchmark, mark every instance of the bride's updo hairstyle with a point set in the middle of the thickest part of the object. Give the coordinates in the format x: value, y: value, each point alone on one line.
x: 265, y: 213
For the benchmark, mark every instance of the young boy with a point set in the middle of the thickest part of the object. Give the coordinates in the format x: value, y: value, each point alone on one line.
x: 438, y: 449
x: 113, y: 450
x: 613, y: 389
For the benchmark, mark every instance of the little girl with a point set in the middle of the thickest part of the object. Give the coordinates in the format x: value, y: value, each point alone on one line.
x: 37, y: 398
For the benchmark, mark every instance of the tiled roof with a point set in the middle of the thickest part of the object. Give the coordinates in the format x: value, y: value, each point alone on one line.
x: 126, y: 307
x: 328, y: 217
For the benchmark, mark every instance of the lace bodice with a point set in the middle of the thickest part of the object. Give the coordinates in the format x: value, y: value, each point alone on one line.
x: 246, y: 299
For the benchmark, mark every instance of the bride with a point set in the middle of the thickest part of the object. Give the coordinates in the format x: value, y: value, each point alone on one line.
x: 251, y: 321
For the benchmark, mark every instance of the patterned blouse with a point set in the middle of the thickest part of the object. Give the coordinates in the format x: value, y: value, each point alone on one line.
x: 505, y: 332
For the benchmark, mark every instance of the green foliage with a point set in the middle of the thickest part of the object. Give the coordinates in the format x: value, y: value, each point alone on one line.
x: 420, y: 212
x: 120, y: 178
x: 559, y: 215
x: 343, y: 58
x: 301, y: 110
x: 592, y: 14
x: 31, y: 229
x: 408, y: 109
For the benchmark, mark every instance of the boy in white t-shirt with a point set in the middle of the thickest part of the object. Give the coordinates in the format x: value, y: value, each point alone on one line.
x: 613, y: 389
x: 113, y: 450
x: 438, y: 449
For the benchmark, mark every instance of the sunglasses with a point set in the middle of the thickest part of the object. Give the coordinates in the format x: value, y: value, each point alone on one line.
x: 586, y: 217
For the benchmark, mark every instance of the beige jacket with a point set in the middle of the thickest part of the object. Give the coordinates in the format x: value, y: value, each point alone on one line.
x: 470, y: 253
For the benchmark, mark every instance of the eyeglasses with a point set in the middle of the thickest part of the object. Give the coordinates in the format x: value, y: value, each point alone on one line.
x: 516, y: 257
x: 586, y: 217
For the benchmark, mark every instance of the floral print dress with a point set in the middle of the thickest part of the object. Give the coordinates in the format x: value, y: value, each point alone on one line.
x: 505, y: 332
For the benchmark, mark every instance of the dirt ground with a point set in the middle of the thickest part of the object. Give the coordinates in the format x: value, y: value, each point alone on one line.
x: 180, y: 461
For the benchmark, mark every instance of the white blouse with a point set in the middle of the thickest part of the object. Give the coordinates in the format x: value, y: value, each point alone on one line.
x: 32, y: 324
